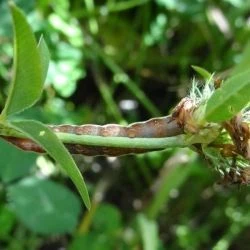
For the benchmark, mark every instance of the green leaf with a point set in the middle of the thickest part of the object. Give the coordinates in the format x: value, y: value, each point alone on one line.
x: 27, y: 83
x: 7, y: 222
x: 244, y: 64
x: 149, y: 232
x: 229, y: 99
x: 203, y: 72
x: 54, y: 147
x: 110, y: 223
x: 94, y: 241
x: 44, y: 206
x: 14, y: 163
x: 171, y: 179
x: 44, y: 57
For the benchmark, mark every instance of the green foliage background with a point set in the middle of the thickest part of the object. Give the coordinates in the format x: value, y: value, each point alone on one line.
x: 119, y: 62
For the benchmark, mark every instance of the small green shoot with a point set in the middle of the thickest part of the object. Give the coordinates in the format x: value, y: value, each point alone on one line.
x: 203, y: 72
x: 31, y: 62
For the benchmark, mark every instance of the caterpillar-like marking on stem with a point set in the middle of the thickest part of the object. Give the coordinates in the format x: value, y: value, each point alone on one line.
x: 154, y: 128
x: 159, y: 127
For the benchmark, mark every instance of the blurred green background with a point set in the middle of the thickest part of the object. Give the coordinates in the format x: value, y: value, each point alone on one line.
x: 120, y: 62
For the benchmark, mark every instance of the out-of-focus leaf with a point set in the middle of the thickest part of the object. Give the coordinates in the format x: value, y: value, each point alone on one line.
x: 44, y: 206
x: 14, y: 163
x: 186, y: 6
x: 172, y: 177
x: 66, y: 70
x: 7, y: 221
x: 157, y: 29
x: 27, y: 83
x: 54, y: 147
x: 92, y: 241
x: 44, y: 56
x: 109, y: 223
x: 149, y: 232
x: 105, y: 226
x: 229, y: 99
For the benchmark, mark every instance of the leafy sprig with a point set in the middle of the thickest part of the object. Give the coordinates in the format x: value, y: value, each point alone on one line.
x: 30, y: 69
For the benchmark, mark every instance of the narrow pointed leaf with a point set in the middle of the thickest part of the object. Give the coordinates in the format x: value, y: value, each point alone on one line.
x: 27, y: 84
x: 203, y: 72
x: 149, y: 232
x: 229, y: 99
x: 54, y: 147
x: 44, y: 57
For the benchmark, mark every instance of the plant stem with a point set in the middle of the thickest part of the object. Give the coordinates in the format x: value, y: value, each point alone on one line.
x: 123, y: 142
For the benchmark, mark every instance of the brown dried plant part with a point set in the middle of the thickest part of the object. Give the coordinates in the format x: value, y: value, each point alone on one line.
x: 226, y: 150
x: 217, y: 82
x: 240, y: 134
x: 183, y: 113
x: 237, y: 176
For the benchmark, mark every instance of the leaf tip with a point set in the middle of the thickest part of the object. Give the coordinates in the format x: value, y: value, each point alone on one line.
x: 12, y: 5
x: 88, y: 205
x: 86, y: 200
x: 203, y: 72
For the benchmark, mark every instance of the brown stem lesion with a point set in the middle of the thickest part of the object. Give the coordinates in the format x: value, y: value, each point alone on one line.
x: 240, y: 133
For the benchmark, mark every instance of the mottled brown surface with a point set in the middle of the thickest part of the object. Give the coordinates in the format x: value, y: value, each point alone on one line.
x: 240, y: 177
x: 240, y: 134
x: 153, y: 128
x: 25, y: 144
